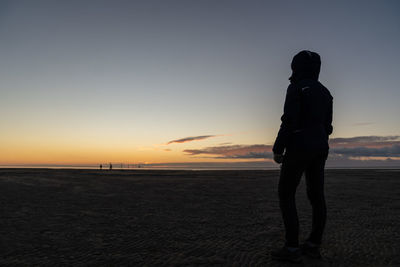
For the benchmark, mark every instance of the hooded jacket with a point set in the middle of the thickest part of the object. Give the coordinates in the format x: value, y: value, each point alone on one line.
x: 307, y: 118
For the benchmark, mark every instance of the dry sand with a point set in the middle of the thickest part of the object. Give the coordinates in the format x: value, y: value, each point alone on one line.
x: 180, y: 218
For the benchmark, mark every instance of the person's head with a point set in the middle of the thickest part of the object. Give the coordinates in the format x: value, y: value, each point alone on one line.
x: 305, y: 65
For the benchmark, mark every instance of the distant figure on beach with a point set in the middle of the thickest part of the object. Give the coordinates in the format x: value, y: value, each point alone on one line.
x: 101, y: 166
x: 110, y: 166
x: 302, y: 147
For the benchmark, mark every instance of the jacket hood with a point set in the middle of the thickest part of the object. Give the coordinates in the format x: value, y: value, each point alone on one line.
x: 305, y: 65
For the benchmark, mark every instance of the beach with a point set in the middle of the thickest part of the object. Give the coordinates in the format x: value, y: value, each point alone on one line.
x: 188, y: 218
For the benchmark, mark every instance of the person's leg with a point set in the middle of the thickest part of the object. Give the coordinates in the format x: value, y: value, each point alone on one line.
x: 291, y: 172
x: 315, y: 193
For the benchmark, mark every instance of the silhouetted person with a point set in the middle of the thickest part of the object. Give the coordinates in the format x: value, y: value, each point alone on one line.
x: 302, y: 147
x: 110, y: 166
x: 101, y: 166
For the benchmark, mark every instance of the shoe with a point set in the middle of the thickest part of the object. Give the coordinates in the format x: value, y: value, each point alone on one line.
x: 285, y: 254
x: 310, y: 251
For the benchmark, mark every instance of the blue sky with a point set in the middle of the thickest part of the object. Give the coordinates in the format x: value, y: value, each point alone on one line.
x: 99, y: 81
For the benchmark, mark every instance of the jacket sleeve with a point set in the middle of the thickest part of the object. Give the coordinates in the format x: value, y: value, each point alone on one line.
x: 328, y: 123
x: 290, y: 119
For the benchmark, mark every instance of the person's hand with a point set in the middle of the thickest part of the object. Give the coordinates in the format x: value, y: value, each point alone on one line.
x: 278, y: 158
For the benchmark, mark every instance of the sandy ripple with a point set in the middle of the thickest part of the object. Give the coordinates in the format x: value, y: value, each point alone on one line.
x: 188, y: 218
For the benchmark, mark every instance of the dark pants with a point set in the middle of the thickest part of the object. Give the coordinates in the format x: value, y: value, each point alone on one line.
x: 292, y: 169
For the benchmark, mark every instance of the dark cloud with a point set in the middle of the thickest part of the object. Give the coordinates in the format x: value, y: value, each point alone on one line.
x: 190, y: 139
x: 364, y: 139
x: 234, y: 151
x: 387, y: 151
x: 357, y: 162
x: 366, y: 146
x: 250, y: 155
x: 341, y: 148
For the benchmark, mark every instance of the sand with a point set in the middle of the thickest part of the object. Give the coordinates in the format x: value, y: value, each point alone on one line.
x: 188, y: 218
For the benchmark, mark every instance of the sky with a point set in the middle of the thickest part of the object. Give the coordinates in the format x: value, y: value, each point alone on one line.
x: 167, y: 82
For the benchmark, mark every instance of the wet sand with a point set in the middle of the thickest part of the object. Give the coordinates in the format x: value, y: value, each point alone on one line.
x: 188, y: 218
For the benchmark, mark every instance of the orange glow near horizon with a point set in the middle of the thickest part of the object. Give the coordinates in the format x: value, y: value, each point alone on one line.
x: 29, y: 144
x: 86, y: 153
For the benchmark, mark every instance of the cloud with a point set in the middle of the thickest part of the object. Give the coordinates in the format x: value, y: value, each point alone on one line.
x: 257, y: 151
x: 364, y: 139
x: 366, y: 147
x: 190, y: 139
x: 387, y: 151
x: 343, y: 149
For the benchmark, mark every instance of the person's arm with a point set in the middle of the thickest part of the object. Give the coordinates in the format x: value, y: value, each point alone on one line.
x: 290, y: 119
x: 328, y: 123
